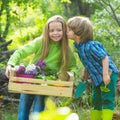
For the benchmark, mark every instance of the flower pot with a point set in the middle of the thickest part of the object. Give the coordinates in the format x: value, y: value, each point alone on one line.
x: 24, y: 76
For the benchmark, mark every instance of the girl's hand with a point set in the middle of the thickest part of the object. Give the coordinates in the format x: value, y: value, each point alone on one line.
x: 106, y: 79
x: 8, y: 69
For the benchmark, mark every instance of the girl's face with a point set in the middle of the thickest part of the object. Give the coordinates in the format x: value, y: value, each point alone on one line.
x: 55, y: 31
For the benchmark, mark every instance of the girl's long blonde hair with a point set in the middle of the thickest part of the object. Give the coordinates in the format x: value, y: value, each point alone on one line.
x: 64, y: 41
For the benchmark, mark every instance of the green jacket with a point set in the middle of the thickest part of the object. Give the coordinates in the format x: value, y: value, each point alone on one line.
x: 53, y: 60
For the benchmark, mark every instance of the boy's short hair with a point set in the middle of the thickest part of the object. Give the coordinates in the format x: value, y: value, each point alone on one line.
x: 82, y: 27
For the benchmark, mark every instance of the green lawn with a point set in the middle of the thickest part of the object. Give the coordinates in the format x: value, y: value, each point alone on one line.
x: 9, y: 111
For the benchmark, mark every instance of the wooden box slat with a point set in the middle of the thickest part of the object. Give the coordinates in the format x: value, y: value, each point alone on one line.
x: 39, y: 81
x: 40, y: 87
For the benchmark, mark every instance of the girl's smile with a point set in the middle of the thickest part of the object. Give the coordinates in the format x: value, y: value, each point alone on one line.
x: 55, y: 31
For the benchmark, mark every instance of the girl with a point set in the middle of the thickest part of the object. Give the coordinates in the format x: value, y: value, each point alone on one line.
x: 52, y: 47
x: 98, y: 64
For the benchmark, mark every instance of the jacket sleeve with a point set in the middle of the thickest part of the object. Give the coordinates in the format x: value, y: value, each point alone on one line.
x: 24, y: 51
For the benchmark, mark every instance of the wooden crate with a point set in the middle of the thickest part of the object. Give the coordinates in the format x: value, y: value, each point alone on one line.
x: 40, y: 87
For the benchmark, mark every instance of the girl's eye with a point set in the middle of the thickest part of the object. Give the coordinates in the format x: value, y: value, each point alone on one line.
x: 59, y: 30
x: 51, y: 30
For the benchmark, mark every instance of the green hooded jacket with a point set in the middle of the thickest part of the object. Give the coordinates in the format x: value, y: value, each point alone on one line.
x: 53, y: 60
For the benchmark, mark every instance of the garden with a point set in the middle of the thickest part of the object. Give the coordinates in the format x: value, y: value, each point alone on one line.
x: 23, y: 20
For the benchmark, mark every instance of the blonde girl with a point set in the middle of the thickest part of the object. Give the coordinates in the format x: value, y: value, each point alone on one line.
x: 52, y: 47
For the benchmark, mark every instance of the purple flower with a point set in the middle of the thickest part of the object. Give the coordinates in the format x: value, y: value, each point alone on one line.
x: 21, y: 69
x: 33, y: 72
x: 31, y: 69
x: 44, y: 72
x: 41, y: 64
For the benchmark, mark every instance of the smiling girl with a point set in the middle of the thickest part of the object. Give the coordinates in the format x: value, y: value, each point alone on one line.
x: 52, y: 47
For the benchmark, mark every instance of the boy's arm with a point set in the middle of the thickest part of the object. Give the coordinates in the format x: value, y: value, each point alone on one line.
x: 85, y: 74
x: 106, y: 76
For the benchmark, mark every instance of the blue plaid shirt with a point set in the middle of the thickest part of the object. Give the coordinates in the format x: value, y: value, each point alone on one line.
x: 91, y: 54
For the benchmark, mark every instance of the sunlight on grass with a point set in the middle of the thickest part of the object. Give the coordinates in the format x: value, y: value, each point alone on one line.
x: 8, y: 116
x: 9, y: 111
x: 84, y: 114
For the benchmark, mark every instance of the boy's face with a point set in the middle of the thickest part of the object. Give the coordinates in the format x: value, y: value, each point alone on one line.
x: 70, y: 34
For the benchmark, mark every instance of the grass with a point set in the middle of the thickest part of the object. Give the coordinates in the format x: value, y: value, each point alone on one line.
x: 10, y: 110
x: 9, y: 116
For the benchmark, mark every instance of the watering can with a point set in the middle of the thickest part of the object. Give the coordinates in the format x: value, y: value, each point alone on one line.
x: 80, y: 89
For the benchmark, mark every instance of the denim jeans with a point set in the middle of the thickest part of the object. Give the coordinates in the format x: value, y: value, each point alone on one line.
x: 26, y: 101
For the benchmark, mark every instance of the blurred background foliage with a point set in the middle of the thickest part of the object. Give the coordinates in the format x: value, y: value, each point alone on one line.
x: 23, y: 20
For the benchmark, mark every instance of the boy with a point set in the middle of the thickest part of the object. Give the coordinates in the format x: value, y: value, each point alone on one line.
x: 97, y: 63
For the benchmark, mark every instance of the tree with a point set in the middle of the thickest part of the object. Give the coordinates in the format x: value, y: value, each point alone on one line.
x: 78, y: 7
x: 106, y: 23
x: 112, y: 7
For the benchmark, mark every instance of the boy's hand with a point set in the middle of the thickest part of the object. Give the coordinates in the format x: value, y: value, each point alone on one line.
x: 85, y: 74
x: 71, y: 75
x: 64, y: 76
x: 106, y: 79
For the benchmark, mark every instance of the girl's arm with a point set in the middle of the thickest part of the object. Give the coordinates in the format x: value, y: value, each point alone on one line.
x: 24, y: 51
x: 106, y: 76
x: 8, y: 69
